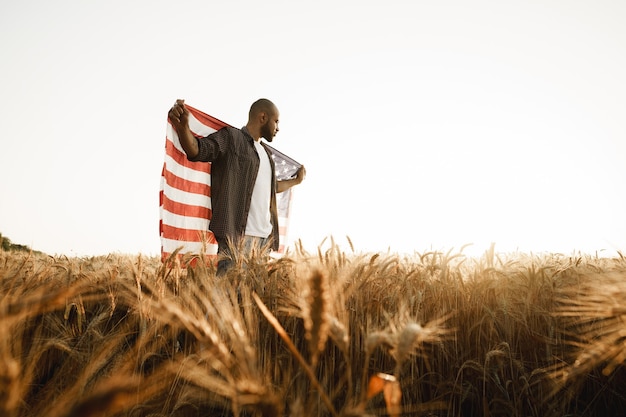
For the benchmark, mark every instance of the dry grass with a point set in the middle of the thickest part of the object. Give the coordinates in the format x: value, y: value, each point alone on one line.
x: 324, y: 334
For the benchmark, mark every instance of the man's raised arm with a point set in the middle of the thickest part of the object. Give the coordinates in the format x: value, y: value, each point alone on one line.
x: 179, y: 118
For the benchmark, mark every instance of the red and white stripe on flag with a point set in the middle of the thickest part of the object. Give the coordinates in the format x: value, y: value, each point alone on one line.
x: 185, y: 195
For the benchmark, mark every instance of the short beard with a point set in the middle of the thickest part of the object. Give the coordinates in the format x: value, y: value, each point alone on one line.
x: 265, y: 133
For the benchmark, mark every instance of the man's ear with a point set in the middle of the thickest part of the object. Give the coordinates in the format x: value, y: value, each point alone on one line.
x: 262, y: 117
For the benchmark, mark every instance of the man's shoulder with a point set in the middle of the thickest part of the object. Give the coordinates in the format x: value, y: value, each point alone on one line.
x: 227, y: 133
x: 234, y: 138
x: 234, y: 131
x: 227, y: 129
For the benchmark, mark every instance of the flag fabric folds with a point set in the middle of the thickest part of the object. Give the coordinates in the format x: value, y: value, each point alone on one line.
x: 185, y: 194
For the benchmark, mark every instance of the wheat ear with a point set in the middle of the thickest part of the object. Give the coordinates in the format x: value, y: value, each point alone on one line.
x: 316, y: 314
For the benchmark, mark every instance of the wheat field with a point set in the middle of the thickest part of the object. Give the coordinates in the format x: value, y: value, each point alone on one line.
x: 332, y: 333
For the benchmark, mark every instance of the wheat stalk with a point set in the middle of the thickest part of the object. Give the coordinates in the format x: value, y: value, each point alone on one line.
x: 294, y: 351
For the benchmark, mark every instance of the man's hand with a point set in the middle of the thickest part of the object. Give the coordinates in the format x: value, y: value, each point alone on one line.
x: 300, y: 174
x: 284, y: 185
x: 179, y: 116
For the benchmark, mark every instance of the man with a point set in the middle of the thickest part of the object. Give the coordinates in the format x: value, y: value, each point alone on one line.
x: 243, y: 180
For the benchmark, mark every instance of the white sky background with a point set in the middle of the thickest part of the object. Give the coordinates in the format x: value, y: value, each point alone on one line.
x: 422, y: 124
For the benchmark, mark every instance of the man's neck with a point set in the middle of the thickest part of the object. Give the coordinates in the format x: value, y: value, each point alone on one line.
x: 255, y: 133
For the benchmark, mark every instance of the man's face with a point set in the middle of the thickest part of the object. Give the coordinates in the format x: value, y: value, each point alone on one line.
x: 270, y: 128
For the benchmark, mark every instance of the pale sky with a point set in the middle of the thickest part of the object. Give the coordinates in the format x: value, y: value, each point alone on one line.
x: 422, y: 124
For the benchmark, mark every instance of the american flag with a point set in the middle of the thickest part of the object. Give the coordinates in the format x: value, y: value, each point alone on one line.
x: 185, y: 195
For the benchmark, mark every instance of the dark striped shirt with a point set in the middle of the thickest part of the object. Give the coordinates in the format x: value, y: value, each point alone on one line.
x: 234, y: 168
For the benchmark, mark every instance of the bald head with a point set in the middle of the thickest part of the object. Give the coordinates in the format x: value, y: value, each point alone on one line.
x: 262, y: 105
x: 263, y: 119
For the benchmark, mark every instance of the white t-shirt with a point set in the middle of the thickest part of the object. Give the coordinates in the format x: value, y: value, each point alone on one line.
x: 259, y: 219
